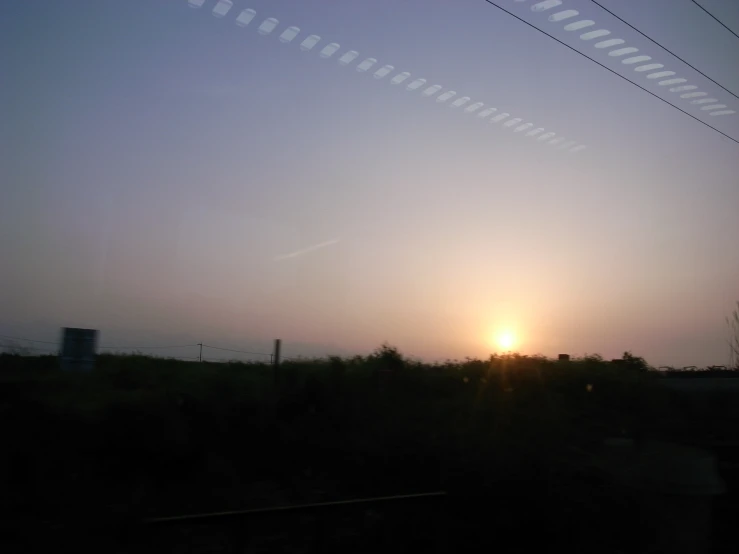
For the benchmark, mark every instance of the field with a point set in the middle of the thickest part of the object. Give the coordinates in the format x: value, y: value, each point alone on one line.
x: 515, y: 441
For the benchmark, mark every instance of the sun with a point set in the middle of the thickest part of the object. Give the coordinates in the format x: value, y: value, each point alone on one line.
x: 506, y: 340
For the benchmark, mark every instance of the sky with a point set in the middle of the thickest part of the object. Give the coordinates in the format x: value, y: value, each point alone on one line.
x: 170, y: 177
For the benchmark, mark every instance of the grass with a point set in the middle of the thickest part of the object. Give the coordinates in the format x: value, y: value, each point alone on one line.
x: 159, y: 436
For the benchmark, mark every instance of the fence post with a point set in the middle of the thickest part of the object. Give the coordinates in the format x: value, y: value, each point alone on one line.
x: 276, y: 355
x: 276, y: 360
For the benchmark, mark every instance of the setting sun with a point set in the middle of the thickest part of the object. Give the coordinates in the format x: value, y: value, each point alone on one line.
x: 506, y: 340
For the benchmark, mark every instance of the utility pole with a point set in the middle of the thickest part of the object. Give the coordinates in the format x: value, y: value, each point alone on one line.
x: 276, y: 361
x: 276, y: 355
x: 200, y: 344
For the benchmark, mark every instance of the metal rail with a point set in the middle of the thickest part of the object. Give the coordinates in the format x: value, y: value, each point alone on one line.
x: 237, y: 514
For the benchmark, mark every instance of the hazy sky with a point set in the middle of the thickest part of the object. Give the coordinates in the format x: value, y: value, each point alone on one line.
x: 168, y: 175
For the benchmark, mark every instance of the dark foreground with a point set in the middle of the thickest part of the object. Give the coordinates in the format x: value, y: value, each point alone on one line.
x: 515, y: 443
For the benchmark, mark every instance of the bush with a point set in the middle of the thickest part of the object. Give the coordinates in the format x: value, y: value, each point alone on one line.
x: 460, y: 424
x: 388, y: 357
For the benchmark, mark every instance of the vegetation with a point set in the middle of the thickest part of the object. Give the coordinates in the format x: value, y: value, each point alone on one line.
x: 142, y: 436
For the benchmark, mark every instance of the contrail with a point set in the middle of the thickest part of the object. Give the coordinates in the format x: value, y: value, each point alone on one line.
x: 306, y: 250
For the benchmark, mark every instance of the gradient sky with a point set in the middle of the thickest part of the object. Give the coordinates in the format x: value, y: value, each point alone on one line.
x: 170, y: 176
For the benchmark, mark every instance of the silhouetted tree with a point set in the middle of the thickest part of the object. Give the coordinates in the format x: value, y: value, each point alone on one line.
x: 389, y: 357
x: 636, y: 362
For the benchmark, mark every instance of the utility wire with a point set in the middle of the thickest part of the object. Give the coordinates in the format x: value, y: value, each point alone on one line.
x: 142, y: 347
x: 231, y: 360
x: 105, y: 347
x: 138, y: 347
x: 663, y: 48
x: 33, y: 349
x: 30, y: 340
x: 716, y: 19
x: 241, y: 351
x: 611, y: 70
x: 134, y: 348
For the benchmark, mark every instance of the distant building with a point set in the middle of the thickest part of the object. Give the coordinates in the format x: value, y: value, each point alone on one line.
x: 79, y: 347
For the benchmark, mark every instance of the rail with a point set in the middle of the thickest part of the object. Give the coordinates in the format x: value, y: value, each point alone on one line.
x: 241, y: 529
x: 278, y: 510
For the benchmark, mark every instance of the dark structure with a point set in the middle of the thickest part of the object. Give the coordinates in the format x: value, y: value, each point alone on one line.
x: 79, y: 347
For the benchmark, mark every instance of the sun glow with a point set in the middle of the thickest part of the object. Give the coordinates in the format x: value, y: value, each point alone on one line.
x: 505, y: 340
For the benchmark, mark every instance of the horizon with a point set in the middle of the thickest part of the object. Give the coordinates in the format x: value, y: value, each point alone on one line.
x: 35, y: 347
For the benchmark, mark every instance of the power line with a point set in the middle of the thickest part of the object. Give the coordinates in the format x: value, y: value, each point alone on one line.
x: 35, y: 349
x: 715, y: 19
x: 240, y: 351
x: 138, y: 347
x: 30, y: 340
x: 161, y: 356
x: 611, y: 70
x: 663, y: 48
x: 105, y: 347
x: 32, y: 349
x: 232, y: 361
